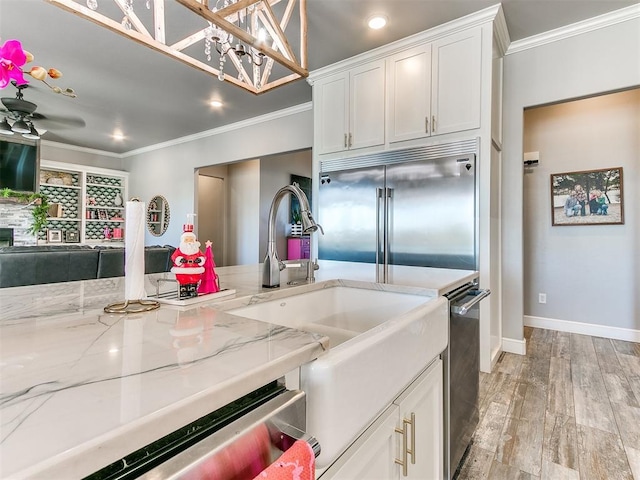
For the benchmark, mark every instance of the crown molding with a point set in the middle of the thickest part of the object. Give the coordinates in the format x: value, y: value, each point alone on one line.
x: 501, y: 31
x: 578, y: 28
x: 478, y: 18
x: 303, y: 107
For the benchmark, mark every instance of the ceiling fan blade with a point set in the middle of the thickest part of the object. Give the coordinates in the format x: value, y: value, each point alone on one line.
x: 53, y: 122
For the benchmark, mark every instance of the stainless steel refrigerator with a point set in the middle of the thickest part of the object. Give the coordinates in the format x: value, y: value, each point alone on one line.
x: 420, y: 212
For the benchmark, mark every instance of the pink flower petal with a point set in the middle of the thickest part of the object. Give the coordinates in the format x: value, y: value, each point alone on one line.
x: 13, y: 52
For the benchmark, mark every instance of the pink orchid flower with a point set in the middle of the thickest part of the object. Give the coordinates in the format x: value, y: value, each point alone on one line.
x: 12, y: 57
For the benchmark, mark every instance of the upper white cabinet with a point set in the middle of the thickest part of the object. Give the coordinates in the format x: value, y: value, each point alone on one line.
x: 435, y: 88
x: 456, y: 81
x: 349, y: 109
x: 409, y: 93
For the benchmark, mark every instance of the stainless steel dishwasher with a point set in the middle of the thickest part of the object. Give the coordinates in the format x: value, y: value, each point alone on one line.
x: 461, y: 362
x: 224, y: 444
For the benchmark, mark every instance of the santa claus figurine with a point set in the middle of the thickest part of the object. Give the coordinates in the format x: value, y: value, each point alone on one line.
x: 188, y: 263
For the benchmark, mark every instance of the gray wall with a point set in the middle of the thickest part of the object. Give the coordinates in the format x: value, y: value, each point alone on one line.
x: 599, y: 61
x: 243, y: 200
x: 169, y: 171
x: 83, y: 156
x: 590, y: 274
x: 275, y: 173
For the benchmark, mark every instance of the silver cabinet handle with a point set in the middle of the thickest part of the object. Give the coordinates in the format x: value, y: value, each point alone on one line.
x: 464, y: 308
x: 412, y: 450
x: 350, y: 142
x: 345, y: 140
x: 404, y: 462
x: 426, y: 124
x: 406, y: 451
x: 433, y: 124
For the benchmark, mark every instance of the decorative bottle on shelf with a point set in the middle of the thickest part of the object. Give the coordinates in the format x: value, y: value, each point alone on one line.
x: 117, y: 201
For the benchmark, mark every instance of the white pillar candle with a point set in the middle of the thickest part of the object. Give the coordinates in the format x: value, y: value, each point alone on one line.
x: 134, y: 251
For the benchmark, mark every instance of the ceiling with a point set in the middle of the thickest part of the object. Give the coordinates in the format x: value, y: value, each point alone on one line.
x: 153, y: 98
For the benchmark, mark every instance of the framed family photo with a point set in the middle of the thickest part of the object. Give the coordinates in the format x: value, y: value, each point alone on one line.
x: 589, y: 197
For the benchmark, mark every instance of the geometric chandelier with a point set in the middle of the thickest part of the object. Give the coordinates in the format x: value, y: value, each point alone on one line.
x: 238, y: 41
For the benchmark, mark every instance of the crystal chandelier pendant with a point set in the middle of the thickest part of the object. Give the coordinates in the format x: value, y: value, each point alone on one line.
x: 148, y: 4
x: 126, y: 23
x: 92, y: 4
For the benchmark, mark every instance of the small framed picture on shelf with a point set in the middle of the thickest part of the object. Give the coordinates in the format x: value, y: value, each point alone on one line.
x: 71, y: 236
x: 54, y: 236
x: 102, y: 215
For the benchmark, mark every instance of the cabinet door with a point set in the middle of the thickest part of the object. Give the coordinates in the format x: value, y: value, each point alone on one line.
x: 366, y: 105
x: 372, y: 456
x: 331, y: 113
x: 456, y: 79
x: 409, y: 94
x: 422, y: 414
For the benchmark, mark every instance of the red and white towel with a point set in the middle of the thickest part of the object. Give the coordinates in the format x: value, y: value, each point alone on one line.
x: 297, y: 463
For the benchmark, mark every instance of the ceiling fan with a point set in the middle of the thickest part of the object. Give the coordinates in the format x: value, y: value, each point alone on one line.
x: 22, y: 113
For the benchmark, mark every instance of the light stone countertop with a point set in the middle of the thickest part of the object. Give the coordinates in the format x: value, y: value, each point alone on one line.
x: 80, y: 388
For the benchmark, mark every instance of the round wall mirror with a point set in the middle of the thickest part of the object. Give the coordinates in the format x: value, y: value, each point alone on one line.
x: 158, y: 215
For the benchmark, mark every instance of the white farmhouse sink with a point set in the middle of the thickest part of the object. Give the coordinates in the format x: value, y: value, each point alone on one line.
x: 381, y: 337
x: 339, y: 312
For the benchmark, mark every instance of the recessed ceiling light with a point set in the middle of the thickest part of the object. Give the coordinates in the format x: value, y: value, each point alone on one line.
x: 117, y: 135
x: 376, y: 22
x: 215, y: 103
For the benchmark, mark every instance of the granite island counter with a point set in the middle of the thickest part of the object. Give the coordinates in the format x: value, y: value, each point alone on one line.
x: 80, y: 389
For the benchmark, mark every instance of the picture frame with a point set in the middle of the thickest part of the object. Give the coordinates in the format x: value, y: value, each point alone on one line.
x: 587, y: 197
x: 54, y: 236
x: 71, y: 236
x: 294, y: 207
x: 102, y: 215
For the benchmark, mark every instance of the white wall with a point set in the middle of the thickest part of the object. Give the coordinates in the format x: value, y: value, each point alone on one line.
x: 601, y: 60
x: 169, y: 171
x: 589, y: 273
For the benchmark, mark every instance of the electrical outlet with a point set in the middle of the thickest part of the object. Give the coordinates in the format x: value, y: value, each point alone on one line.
x: 542, y: 298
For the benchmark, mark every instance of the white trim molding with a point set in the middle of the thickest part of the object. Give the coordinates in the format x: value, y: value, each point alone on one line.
x: 578, y: 28
x: 594, y: 330
x: 512, y: 345
x: 303, y: 107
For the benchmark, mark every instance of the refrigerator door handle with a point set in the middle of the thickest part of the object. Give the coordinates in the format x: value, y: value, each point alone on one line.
x: 379, y: 193
x: 388, y: 195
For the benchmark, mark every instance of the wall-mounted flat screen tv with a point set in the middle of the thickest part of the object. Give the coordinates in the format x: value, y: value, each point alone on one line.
x: 19, y: 165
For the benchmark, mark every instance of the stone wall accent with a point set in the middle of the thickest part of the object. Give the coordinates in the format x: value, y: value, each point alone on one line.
x: 19, y: 218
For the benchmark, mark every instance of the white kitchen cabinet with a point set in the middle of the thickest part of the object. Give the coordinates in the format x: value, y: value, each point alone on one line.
x: 349, y: 109
x: 435, y: 88
x: 409, y: 94
x: 421, y: 414
x: 456, y: 82
x: 372, y: 456
x: 410, y: 430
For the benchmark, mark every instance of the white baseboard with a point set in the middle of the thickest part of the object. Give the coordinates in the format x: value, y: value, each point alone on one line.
x: 594, y: 330
x: 511, y: 345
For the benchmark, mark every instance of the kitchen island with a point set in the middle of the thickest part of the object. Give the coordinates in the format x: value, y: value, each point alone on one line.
x: 80, y: 389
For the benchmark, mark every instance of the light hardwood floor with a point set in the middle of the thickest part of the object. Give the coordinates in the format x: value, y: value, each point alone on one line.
x: 569, y: 409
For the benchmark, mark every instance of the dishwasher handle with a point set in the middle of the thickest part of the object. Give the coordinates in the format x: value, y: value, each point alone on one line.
x: 465, y: 307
